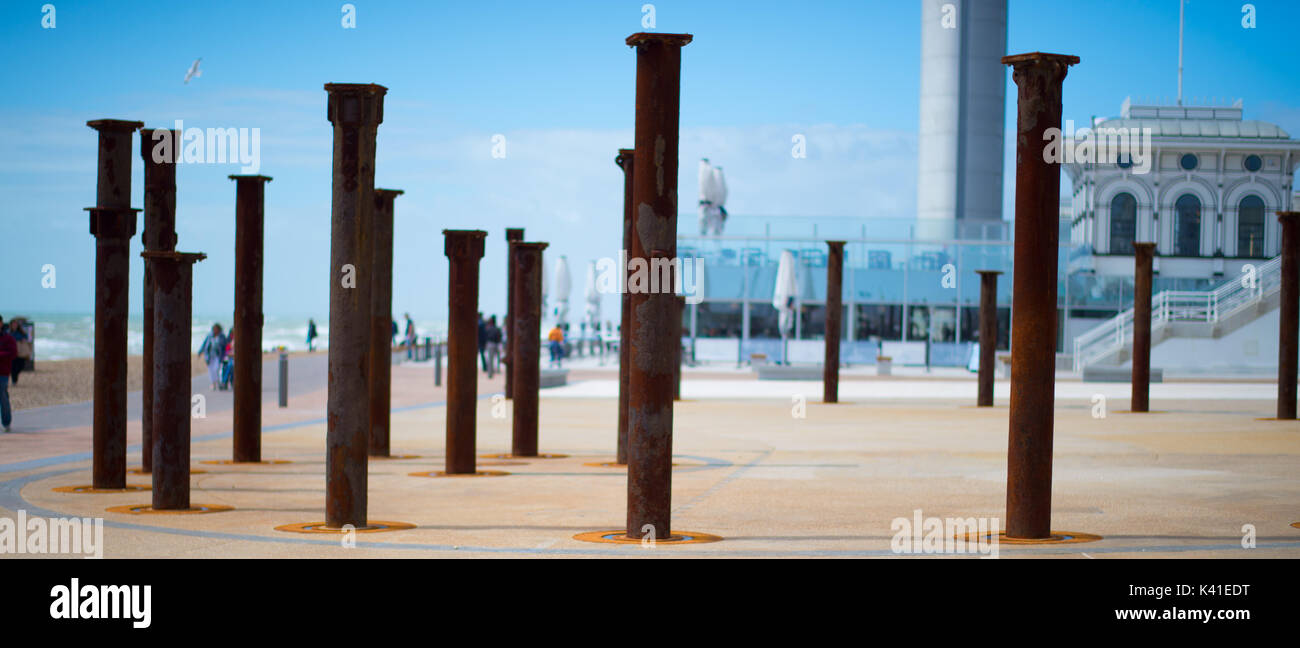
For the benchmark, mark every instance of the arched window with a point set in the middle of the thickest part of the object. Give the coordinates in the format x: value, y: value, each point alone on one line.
x: 1250, y: 227
x: 1123, y: 223
x: 1187, y: 226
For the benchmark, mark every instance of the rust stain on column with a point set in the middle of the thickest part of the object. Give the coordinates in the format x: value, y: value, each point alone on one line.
x: 626, y: 160
x: 112, y: 223
x: 381, y: 322
x: 654, y: 241
x: 988, y: 335
x: 513, y: 235
x: 1142, y: 255
x: 1038, y: 79
x: 249, y: 228
x: 464, y: 249
x: 834, y: 316
x: 355, y: 110
x: 158, y: 149
x: 173, y: 290
x: 527, y: 313
x: 1288, y: 315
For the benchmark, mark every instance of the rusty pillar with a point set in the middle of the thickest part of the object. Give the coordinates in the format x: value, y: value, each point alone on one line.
x: 249, y: 193
x: 1142, y: 254
x: 988, y: 335
x: 355, y: 110
x: 834, y: 316
x: 1288, y: 316
x: 381, y: 321
x: 626, y: 161
x: 1039, y: 78
x: 513, y: 235
x: 654, y: 242
x: 527, y: 333
x: 173, y: 274
x: 112, y: 223
x: 158, y: 148
x: 464, y: 249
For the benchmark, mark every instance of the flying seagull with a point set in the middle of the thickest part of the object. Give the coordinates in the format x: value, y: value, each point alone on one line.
x: 194, y: 72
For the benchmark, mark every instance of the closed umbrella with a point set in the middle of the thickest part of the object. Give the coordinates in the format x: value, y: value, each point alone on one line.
x: 713, y: 194
x: 784, y: 297
x: 593, y: 298
x: 563, y: 286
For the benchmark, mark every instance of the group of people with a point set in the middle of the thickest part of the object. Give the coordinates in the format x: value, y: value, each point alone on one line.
x: 217, y: 352
x: 15, y: 354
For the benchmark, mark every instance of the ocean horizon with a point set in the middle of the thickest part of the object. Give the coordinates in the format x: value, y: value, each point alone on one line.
x: 64, y: 336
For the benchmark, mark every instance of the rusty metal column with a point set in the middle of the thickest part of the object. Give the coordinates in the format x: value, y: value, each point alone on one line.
x: 173, y: 284
x: 381, y: 322
x: 654, y: 196
x: 355, y: 110
x: 834, y: 315
x: 464, y: 249
x: 988, y: 335
x: 527, y: 314
x: 159, y: 235
x: 513, y: 235
x: 1142, y: 254
x: 1038, y: 78
x: 112, y: 222
x: 1288, y: 315
x: 625, y: 160
x: 249, y: 193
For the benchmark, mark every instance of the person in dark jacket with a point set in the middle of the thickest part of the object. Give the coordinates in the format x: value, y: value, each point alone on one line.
x: 493, y: 346
x: 482, y: 342
x: 8, y: 351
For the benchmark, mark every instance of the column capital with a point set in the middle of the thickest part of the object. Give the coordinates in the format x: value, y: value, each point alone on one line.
x: 241, y: 178
x: 514, y: 234
x: 355, y: 103
x: 836, y: 244
x: 988, y: 273
x: 178, y: 257
x: 646, y: 38
x: 461, y: 244
x: 112, y: 222
x: 114, y: 125
x: 624, y: 156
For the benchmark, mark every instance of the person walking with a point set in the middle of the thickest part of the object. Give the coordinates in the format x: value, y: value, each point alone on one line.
x: 410, y: 336
x: 556, y: 339
x: 311, y: 335
x: 8, y: 351
x: 493, y: 346
x: 17, y: 329
x: 213, y: 351
x: 482, y: 343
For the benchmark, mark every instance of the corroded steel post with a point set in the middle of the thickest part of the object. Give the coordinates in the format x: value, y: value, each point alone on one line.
x: 654, y: 242
x: 249, y: 228
x: 355, y: 110
x: 112, y: 222
x: 381, y: 322
x: 988, y: 335
x: 513, y: 235
x: 626, y: 160
x: 173, y: 274
x: 464, y: 249
x: 527, y: 314
x: 1038, y: 78
x: 1142, y: 255
x: 834, y: 315
x: 1288, y: 315
x: 158, y: 148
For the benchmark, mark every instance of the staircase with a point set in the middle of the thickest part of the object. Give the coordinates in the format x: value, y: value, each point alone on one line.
x: 1177, y: 313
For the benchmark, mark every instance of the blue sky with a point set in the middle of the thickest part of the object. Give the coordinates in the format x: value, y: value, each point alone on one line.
x: 557, y: 80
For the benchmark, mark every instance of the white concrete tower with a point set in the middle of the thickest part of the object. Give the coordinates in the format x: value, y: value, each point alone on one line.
x: 963, y: 101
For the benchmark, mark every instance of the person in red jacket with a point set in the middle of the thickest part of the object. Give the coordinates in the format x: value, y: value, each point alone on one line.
x: 8, y: 351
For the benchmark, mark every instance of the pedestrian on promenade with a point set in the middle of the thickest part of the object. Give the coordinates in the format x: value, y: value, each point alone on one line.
x: 410, y: 336
x: 556, y: 338
x: 8, y: 351
x: 18, y: 329
x: 493, y: 346
x: 213, y: 352
x: 311, y: 335
x: 482, y: 343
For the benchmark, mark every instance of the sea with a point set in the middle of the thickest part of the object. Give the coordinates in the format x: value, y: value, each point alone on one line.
x: 61, y: 336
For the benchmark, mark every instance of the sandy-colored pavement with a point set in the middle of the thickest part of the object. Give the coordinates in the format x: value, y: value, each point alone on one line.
x: 1182, y: 482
